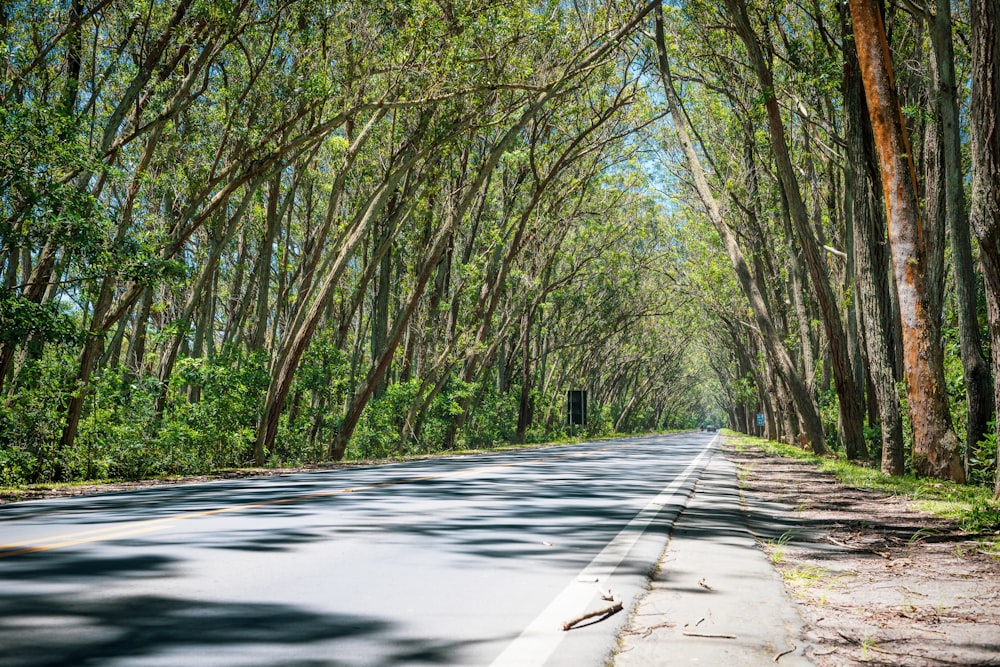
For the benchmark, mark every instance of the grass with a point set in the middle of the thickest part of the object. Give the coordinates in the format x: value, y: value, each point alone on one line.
x: 804, y: 575
x: 778, y: 546
x: 868, y: 644
x: 973, y: 507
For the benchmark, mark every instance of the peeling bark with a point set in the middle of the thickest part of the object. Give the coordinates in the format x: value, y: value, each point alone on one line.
x: 936, y: 450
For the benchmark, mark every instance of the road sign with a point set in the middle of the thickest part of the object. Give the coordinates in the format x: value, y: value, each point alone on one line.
x: 760, y: 419
x: 576, y: 407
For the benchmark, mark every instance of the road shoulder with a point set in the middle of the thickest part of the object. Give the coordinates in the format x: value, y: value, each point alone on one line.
x: 715, y: 599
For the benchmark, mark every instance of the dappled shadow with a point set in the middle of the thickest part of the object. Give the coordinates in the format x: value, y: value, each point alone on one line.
x: 46, y: 618
x: 522, y: 512
x: 784, y: 517
x: 552, y: 506
x: 879, y: 582
x: 51, y: 629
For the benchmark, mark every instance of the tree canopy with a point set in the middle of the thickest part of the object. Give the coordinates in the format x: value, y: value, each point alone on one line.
x: 271, y: 232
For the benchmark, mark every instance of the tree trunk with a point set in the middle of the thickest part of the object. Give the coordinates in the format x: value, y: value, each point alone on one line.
x: 305, y: 325
x: 524, y: 411
x: 936, y: 450
x: 978, y: 382
x: 272, y: 222
x: 380, y: 311
x: 873, y: 275
x: 851, y: 413
x: 804, y: 406
x: 135, y: 356
x: 985, y: 132
x: 361, y: 397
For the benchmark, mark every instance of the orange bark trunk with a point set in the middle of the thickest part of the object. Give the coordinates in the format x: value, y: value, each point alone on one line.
x: 936, y: 450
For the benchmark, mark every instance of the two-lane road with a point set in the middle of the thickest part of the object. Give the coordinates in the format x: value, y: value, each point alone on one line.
x: 459, y: 561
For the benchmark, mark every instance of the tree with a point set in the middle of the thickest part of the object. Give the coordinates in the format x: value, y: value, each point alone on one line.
x: 851, y: 416
x: 783, y: 363
x: 874, y: 274
x: 985, y: 201
x: 936, y: 450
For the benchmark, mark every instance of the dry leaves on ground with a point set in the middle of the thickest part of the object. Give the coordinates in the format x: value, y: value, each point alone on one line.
x: 876, y: 581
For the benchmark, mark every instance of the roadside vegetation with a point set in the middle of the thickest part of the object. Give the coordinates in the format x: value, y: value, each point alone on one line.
x: 270, y: 233
x: 274, y: 233
x: 972, y: 507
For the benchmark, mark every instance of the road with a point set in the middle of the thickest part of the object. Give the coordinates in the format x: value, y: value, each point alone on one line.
x: 472, y: 560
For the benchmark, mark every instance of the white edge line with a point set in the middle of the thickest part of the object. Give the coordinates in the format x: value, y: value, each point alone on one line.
x: 540, y: 639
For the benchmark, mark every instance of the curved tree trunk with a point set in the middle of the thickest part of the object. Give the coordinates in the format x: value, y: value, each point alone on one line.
x: 808, y: 415
x: 338, y: 445
x: 851, y: 412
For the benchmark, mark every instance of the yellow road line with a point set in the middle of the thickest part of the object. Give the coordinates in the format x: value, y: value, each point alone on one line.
x: 152, y: 525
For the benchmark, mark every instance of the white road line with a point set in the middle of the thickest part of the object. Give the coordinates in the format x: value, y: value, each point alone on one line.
x: 540, y: 639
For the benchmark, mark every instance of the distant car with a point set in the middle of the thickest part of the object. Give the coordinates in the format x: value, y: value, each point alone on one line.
x: 711, y: 428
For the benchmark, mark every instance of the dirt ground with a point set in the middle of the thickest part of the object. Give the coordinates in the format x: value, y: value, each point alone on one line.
x: 877, y: 581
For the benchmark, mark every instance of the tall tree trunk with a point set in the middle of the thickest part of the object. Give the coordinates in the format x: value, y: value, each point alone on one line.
x: 804, y: 406
x: 873, y: 275
x: 361, y: 397
x: 299, y: 338
x: 91, y: 350
x: 978, y: 381
x: 135, y: 356
x: 936, y: 450
x: 985, y: 130
x: 524, y: 409
x: 380, y: 311
x: 272, y: 222
x: 798, y: 297
x: 851, y: 413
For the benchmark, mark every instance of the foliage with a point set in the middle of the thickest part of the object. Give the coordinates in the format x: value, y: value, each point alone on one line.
x: 983, y: 459
x: 218, y: 218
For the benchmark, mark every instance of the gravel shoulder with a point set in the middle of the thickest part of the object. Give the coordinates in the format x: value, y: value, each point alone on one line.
x: 877, y: 581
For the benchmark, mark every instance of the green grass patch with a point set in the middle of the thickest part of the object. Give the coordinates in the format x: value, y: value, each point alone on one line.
x: 805, y: 575
x: 743, y: 442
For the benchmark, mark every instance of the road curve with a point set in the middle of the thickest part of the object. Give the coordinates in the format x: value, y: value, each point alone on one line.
x: 469, y: 560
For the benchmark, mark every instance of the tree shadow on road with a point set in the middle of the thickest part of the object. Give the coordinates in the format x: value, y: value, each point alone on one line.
x: 551, y: 512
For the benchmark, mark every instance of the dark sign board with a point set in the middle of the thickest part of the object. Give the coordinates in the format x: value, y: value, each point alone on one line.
x: 576, y: 407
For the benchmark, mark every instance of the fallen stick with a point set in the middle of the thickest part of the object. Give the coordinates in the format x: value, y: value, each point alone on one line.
x: 783, y: 653
x: 708, y: 635
x: 607, y: 611
x: 648, y: 630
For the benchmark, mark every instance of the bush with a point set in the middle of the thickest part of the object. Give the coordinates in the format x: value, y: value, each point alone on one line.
x: 32, y: 419
x: 983, y: 459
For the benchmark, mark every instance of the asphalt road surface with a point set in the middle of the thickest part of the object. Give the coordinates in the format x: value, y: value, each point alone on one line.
x: 474, y: 560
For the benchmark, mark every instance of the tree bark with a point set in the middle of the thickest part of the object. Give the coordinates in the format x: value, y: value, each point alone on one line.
x: 298, y: 341
x: 978, y: 380
x: 873, y: 275
x: 985, y: 134
x: 380, y: 311
x: 936, y: 451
